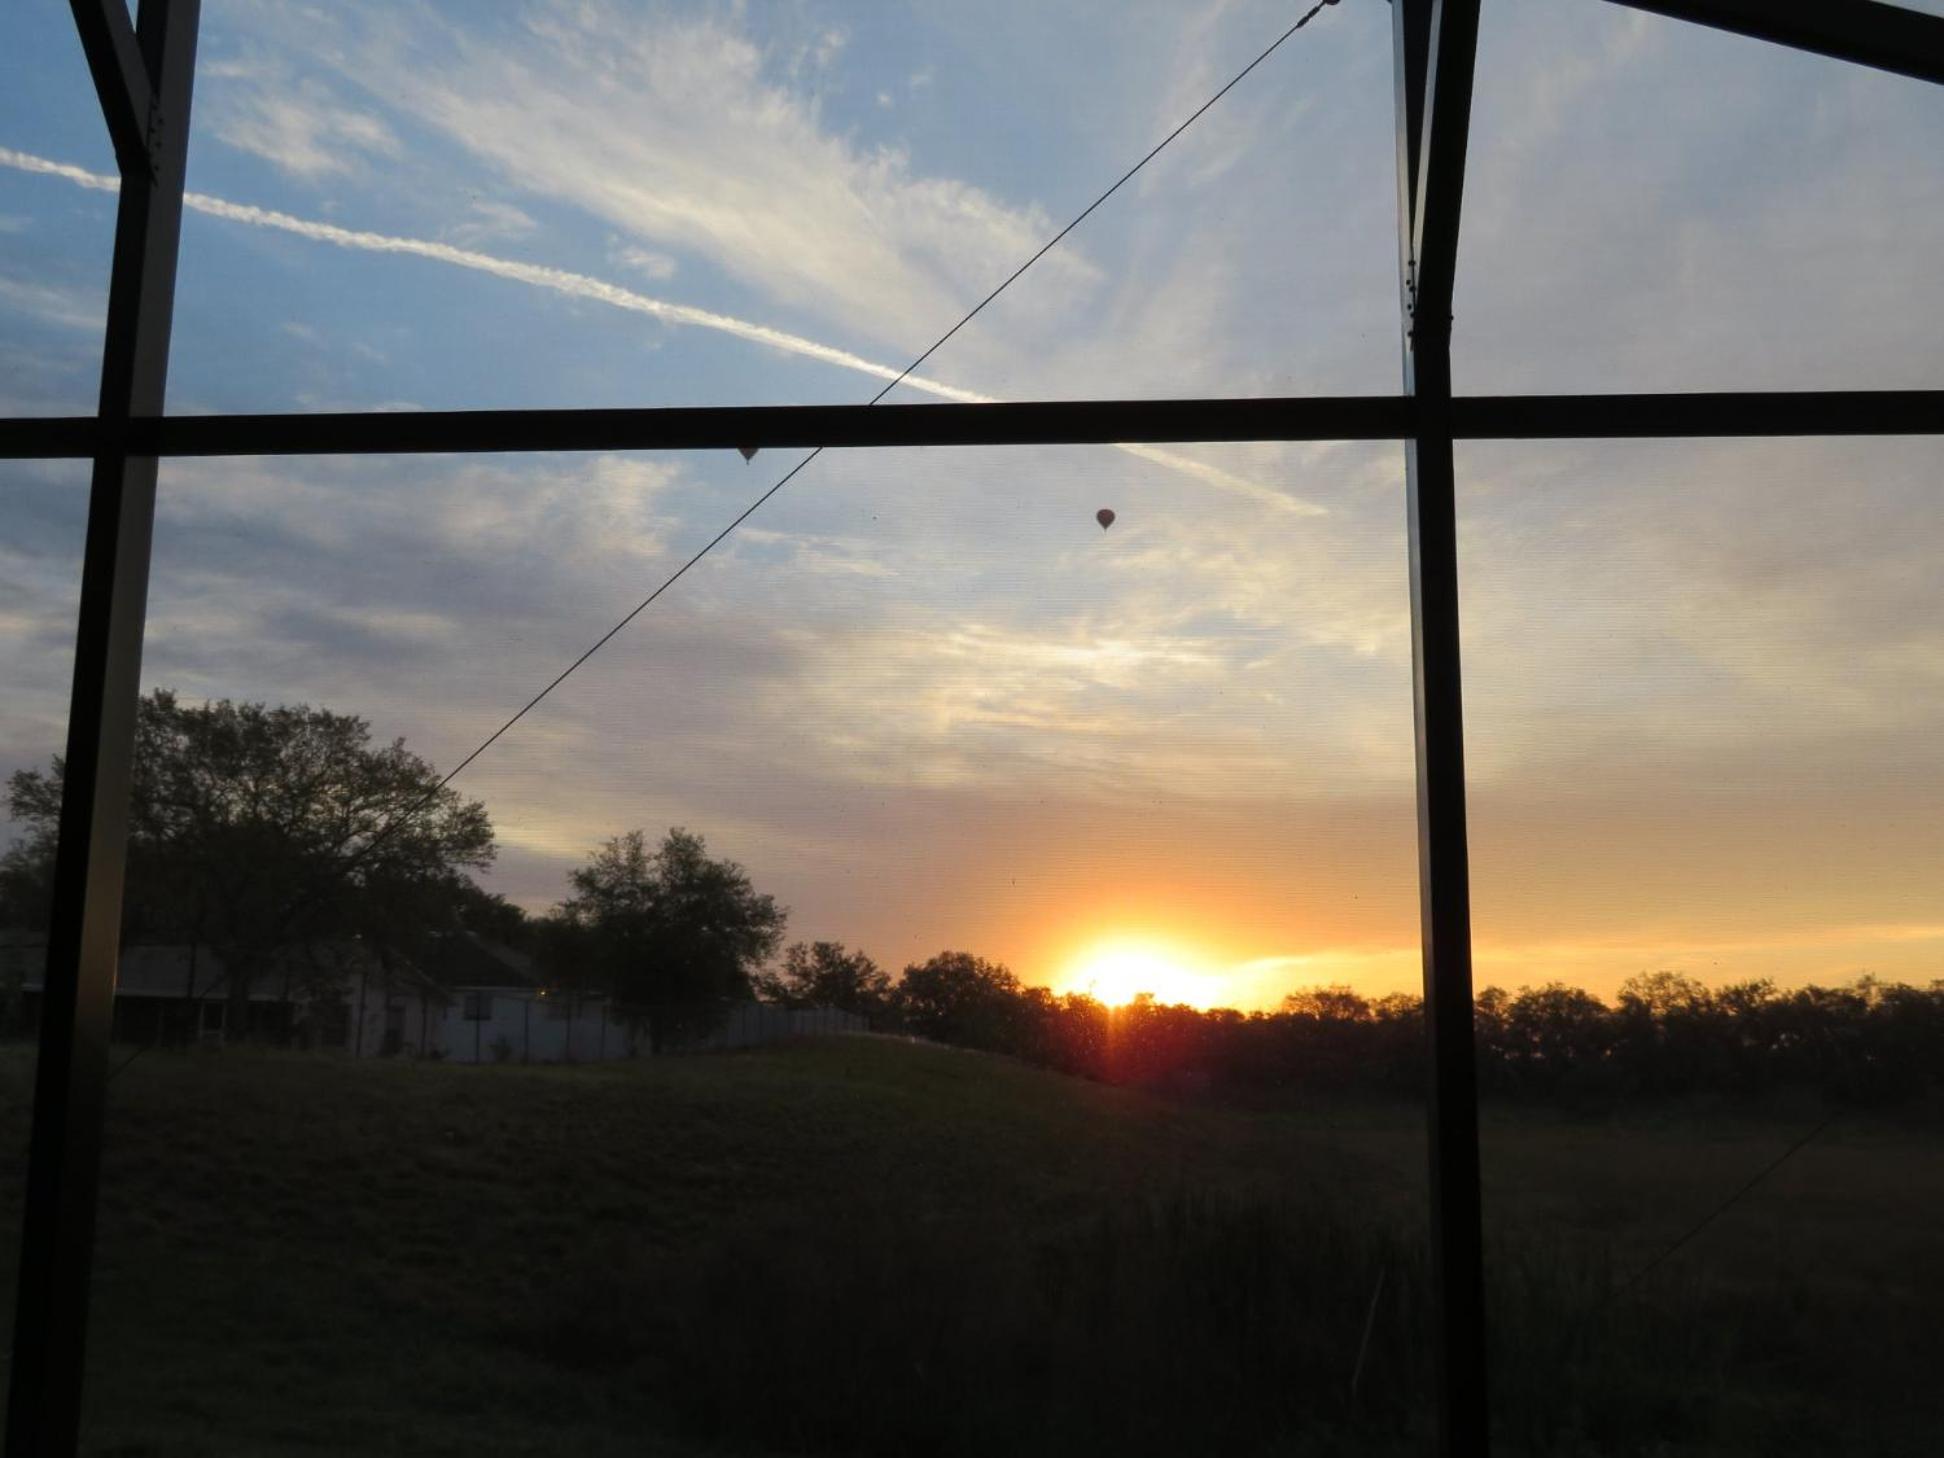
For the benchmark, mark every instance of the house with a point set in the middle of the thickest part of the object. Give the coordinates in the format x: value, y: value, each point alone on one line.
x: 472, y: 1000
x: 370, y: 1003
x: 328, y: 994
x: 504, y: 1011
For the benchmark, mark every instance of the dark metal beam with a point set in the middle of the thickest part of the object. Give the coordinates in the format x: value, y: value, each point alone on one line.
x: 1888, y: 37
x: 1084, y: 422
x: 1381, y: 417
x: 1411, y: 39
x: 122, y: 81
x: 1719, y: 414
x: 1449, y: 36
x: 84, y: 934
x: 1445, y: 32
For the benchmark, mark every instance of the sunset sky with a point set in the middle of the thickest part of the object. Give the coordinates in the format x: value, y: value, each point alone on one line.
x: 922, y: 696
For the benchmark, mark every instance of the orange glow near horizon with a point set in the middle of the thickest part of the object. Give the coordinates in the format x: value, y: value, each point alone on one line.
x: 1119, y: 971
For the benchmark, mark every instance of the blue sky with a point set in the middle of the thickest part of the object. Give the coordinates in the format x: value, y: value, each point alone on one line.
x: 923, y: 696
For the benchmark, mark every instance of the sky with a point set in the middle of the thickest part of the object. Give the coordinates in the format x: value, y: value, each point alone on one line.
x: 922, y: 697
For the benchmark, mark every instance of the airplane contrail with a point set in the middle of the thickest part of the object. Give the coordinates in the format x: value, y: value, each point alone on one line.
x: 600, y: 291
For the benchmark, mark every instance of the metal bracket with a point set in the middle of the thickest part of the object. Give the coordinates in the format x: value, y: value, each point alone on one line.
x: 154, y: 136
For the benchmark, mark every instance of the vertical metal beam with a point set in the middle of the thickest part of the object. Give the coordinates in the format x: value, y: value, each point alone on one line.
x: 57, y: 1229
x: 1435, y: 42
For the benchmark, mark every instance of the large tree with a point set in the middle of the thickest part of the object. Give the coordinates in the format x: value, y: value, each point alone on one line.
x: 827, y: 974
x: 252, y: 827
x: 956, y: 997
x: 672, y: 934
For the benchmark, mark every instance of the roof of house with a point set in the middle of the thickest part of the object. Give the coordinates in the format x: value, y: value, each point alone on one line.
x: 466, y: 959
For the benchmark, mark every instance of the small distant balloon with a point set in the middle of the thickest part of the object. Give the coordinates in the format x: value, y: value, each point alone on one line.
x: 1104, y: 517
x: 748, y: 452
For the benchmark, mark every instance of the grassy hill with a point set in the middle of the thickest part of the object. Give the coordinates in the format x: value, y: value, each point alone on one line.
x: 866, y: 1246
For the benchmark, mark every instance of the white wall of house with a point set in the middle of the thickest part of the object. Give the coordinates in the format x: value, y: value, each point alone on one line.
x: 518, y: 1025
x: 751, y: 1024
x: 401, y: 1020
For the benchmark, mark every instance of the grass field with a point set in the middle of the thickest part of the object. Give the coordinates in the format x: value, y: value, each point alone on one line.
x: 864, y: 1246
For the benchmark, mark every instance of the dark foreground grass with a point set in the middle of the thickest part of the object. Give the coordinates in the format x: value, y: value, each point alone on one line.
x: 875, y: 1248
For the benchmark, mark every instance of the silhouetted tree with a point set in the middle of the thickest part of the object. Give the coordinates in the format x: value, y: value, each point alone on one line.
x: 673, y: 935
x: 956, y: 997
x: 251, y: 827
x: 1552, y: 1032
x: 1664, y: 1025
x: 826, y: 974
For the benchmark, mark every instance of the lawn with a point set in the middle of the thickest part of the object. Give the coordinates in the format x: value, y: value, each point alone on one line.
x: 866, y: 1246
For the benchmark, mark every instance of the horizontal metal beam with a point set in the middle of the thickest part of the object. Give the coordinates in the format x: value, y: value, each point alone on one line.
x: 121, y: 78
x: 1090, y: 422
x: 1888, y: 37
x: 1724, y: 414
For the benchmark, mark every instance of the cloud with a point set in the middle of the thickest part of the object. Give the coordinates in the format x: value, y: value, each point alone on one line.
x: 1625, y: 229
x: 65, y: 308
x: 675, y: 132
x: 297, y: 125
x: 658, y: 266
x: 491, y: 220
x: 557, y: 280
x: 1644, y: 606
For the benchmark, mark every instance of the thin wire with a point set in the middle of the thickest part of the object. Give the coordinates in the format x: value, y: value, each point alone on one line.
x: 601, y: 642
x: 1722, y: 1209
x: 747, y: 512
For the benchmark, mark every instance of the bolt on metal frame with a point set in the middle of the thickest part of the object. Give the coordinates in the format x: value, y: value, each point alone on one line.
x: 143, y: 72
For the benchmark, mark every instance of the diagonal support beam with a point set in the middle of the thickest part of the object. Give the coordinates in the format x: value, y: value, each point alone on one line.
x: 123, y: 82
x: 1442, y: 40
x: 84, y: 930
x: 1887, y: 37
x: 1435, y: 42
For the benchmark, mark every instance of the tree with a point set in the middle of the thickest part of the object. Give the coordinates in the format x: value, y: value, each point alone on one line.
x: 1555, y: 1028
x: 1664, y: 1031
x: 672, y: 935
x: 1337, y: 1004
x: 959, y: 998
x: 827, y: 974
x: 252, y: 827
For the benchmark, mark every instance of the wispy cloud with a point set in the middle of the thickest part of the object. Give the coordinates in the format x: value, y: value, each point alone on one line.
x: 491, y: 219
x: 297, y: 125
x: 684, y: 134
x: 658, y: 266
x: 63, y: 307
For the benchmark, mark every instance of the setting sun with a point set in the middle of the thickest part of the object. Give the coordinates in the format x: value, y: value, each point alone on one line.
x: 1119, y: 973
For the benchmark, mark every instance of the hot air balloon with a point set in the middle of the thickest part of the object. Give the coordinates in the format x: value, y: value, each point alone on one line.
x: 1104, y: 517
x: 748, y: 452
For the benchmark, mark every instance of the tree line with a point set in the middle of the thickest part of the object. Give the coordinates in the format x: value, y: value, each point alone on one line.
x: 254, y: 827
x: 1664, y: 1035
